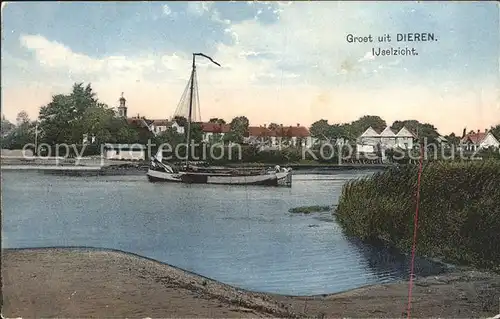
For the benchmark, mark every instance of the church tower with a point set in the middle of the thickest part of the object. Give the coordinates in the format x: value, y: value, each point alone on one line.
x: 122, y: 109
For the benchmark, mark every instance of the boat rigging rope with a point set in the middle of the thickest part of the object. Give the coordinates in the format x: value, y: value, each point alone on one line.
x: 415, y: 228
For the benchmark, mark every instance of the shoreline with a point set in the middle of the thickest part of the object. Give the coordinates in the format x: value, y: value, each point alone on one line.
x: 93, y: 282
x: 139, y: 168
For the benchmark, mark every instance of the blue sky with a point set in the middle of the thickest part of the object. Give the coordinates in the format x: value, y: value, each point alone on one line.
x: 282, y: 62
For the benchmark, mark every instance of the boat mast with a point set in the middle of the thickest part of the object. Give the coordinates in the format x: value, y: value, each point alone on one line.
x: 191, y: 92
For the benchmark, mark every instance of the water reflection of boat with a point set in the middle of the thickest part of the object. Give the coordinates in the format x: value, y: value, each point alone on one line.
x: 189, y: 173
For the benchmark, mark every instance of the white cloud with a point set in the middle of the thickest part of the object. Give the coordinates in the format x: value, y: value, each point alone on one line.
x: 302, y: 64
x: 199, y: 8
x: 166, y: 10
x: 215, y: 16
x: 56, y: 56
x: 306, y: 35
x: 309, y: 39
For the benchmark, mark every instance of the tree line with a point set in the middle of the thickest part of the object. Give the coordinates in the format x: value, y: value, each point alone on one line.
x: 67, y: 118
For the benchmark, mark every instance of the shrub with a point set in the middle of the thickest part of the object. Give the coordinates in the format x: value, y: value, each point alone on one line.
x: 459, y: 215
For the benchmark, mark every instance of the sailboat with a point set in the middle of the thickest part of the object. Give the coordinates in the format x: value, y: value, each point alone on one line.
x: 191, y: 174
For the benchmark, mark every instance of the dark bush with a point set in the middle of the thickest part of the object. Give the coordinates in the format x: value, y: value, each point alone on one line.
x: 459, y: 215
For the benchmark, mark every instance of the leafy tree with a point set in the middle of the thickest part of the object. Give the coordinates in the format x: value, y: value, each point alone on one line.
x: 338, y: 131
x: 56, y: 120
x: 239, y: 128
x: 21, y: 134
x: 320, y: 129
x: 453, y: 139
x: 67, y: 118
x: 62, y: 120
x: 216, y: 138
x: 196, y: 133
x: 356, y: 128
x: 170, y: 136
x: 6, y: 126
x: 323, y: 130
x: 495, y: 130
x: 22, y: 118
x: 97, y: 120
x: 217, y: 120
x: 424, y: 130
x: 180, y: 120
x: 125, y: 134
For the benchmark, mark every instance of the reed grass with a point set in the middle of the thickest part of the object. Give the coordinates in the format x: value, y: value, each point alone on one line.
x: 459, y: 215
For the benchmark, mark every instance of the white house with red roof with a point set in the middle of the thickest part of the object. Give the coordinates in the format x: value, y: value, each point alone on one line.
x: 161, y: 125
x: 273, y: 137
x: 479, y: 140
x: 214, y: 131
x: 368, y: 141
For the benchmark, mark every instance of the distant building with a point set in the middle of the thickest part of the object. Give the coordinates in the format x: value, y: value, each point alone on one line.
x: 162, y: 125
x: 124, y: 152
x: 214, y: 131
x: 159, y: 126
x: 273, y: 138
x: 405, y: 139
x: 140, y: 123
x: 370, y: 139
x: 479, y: 140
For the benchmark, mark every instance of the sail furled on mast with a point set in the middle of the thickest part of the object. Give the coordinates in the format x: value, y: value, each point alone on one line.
x: 183, y: 105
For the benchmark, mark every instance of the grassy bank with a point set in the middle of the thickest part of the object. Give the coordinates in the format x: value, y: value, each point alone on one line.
x: 459, y: 216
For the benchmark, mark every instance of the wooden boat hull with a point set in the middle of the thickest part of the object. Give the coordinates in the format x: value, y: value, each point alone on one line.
x: 157, y: 176
x: 273, y: 179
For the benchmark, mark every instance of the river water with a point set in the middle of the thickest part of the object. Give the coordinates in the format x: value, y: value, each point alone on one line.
x: 243, y: 236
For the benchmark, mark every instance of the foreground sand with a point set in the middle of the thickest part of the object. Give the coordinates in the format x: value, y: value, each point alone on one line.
x: 80, y: 283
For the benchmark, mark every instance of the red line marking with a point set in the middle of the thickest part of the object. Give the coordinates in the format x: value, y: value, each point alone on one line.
x: 415, y: 228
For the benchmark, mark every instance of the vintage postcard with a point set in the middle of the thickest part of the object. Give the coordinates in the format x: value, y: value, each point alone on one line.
x: 216, y: 159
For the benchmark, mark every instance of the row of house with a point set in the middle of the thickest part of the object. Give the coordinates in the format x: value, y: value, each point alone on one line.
x: 298, y: 135
x: 479, y: 140
x: 405, y: 139
x: 272, y: 138
x: 370, y: 139
x: 262, y: 135
x: 275, y: 136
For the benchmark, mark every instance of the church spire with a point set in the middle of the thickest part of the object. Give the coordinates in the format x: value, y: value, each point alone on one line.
x: 122, y: 109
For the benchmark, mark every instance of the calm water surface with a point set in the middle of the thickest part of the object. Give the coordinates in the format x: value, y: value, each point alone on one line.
x: 242, y: 236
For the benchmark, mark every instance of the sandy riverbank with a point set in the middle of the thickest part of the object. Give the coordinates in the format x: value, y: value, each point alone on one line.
x: 82, y: 283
